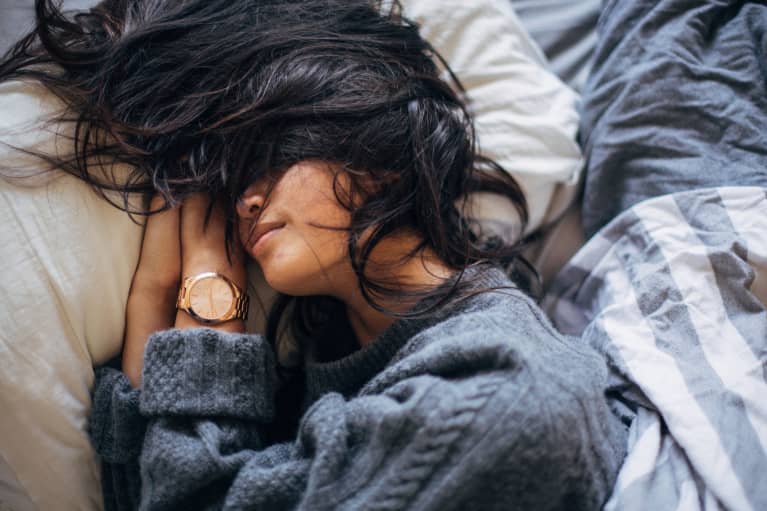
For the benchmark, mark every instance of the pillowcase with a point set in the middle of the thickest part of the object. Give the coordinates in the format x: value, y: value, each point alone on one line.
x: 70, y: 256
x: 526, y: 118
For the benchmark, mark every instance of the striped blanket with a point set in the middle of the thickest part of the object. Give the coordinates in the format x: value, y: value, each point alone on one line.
x: 673, y: 293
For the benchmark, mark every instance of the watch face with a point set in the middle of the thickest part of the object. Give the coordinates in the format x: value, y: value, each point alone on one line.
x: 211, y: 297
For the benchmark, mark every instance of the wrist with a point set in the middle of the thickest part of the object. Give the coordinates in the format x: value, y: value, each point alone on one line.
x: 149, y: 309
x: 186, y: 320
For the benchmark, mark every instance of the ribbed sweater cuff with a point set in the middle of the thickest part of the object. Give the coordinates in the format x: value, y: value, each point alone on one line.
x: 116, y: 427
x: 204, y: 372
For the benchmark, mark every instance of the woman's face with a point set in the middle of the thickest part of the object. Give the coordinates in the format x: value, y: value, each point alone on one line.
x: 290, y: 240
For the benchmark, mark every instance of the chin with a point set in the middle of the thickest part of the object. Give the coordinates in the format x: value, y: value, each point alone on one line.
x: 293, y: 283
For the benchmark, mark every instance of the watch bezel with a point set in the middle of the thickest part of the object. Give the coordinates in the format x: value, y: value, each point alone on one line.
x: 191, y: 282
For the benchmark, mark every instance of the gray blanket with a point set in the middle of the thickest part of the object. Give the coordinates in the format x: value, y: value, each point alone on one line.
x: 672, y: 293
x: 677, y: 100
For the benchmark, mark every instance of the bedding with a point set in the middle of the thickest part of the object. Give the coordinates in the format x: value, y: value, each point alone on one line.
x: 676, y: 100
x: 671, y: 286
x: 68, y: 259
x: 673, y: 293
x: 526, y: 119
x: 74, y: 255
x: 566, y: 32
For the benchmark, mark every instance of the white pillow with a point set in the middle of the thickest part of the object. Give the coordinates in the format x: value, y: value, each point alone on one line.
x: 69, y: 259
x: 69, y: 256
x: 526, y: 117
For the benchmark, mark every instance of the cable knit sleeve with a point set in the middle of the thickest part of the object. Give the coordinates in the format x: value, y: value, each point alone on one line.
x: 492, y: 439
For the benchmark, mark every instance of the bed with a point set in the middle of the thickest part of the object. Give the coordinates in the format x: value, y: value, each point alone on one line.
x: 671, y: 284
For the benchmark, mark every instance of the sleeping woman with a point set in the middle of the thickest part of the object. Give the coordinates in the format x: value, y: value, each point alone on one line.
x: 401, y: 366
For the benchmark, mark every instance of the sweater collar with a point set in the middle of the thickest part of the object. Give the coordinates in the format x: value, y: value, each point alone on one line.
x: 348, y: 374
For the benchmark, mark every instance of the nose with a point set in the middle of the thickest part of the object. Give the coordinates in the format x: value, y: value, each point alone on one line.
x: 250, y: 203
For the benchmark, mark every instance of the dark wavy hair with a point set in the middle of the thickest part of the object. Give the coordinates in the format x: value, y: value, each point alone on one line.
x: 213, y: 95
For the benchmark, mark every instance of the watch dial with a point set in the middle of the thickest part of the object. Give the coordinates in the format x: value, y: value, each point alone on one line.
x: 211, y: 298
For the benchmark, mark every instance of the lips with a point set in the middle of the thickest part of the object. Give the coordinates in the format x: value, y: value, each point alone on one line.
x: 261, y: 230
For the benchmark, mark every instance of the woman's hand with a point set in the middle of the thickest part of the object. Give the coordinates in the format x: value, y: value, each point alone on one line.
x: 152, y: 300
x: 203, y: 249
x: 177, y: 244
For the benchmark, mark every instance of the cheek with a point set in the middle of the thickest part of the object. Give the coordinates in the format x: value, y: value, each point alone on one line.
x: 305, y: 257
x: 303, y: 261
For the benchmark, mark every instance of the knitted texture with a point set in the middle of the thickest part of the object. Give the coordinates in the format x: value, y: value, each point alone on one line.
x: 482, y: 405
x: 118, y: 441
x: 209, y: 373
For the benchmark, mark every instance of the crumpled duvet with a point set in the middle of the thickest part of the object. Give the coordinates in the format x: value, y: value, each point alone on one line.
x: 676, y: 100
x: 673, y: 293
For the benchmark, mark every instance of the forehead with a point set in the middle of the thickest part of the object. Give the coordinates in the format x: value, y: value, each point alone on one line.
x: 306, y: 173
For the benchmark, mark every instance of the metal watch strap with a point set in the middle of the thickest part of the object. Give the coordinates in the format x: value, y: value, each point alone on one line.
x: 241, y: 307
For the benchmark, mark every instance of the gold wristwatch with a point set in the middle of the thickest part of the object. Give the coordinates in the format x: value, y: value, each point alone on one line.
x: 212, y: 298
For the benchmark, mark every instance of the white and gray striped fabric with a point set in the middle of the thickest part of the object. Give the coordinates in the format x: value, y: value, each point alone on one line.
x: 673, y: 293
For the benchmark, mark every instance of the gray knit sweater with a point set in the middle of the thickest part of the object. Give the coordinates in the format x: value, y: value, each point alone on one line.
x: 483, y: 405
